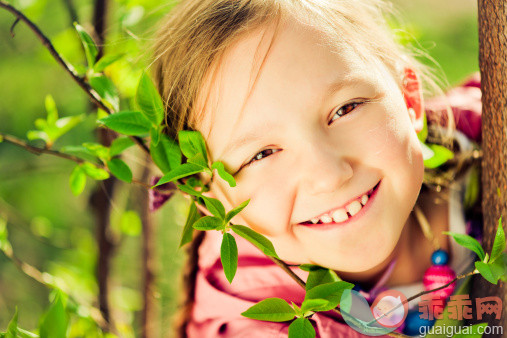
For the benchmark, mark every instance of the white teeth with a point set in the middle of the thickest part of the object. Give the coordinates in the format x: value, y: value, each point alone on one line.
x: 326, y: 219
x: 353, y: 208
x: 364, y: 199
x: 340, y: 215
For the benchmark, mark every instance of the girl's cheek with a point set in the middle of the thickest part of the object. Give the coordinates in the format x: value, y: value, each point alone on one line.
x: 269, y: 206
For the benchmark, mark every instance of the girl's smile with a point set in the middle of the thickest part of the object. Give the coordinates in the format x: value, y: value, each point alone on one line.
x: 344, y: 215
x: 307, y: 128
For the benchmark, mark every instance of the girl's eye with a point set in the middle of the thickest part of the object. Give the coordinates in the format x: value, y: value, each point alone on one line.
x: 344, y: 110
x: 260, y: 155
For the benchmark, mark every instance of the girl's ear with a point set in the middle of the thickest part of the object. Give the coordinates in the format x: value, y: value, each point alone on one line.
x: 412, y: 93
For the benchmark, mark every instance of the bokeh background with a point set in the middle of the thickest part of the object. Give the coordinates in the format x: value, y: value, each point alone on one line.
x: 55, y: 231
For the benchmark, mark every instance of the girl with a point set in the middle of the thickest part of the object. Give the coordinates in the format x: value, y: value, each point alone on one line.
x: 314, y: 109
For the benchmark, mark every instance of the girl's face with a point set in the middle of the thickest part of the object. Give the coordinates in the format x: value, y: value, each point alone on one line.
x: 318, y: 130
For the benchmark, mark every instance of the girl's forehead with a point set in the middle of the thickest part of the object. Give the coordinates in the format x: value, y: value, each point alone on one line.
x: 266, y: 72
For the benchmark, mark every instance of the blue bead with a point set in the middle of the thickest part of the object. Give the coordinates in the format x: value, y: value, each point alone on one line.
x: 357, y: 288
x: 439, y: 257
x: 413, y: 323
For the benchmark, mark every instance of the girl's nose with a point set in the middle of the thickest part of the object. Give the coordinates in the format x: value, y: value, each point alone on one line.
x: 324, y: 170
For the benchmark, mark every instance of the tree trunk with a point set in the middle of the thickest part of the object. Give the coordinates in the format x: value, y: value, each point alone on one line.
x: 149, y: 324
x: 493, y: 66
x: 100, y: 199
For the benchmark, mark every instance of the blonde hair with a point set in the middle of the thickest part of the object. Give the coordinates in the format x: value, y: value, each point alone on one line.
x: 196, y: 33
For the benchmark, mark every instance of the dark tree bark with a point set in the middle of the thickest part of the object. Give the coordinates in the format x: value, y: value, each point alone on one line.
x: 149, y: 313
x: 100, y: 199
x: 493, y: 66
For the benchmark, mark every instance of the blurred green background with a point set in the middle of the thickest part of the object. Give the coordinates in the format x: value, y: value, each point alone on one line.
x: 52, y: 229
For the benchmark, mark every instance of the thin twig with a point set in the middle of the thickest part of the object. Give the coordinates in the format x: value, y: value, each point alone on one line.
x: 38, y: 151
x: 94, y: 96
x: 43, y: 278
x: 422, y: 293
x: 13, y: 26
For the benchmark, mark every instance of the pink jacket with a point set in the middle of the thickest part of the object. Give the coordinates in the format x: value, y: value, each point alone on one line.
x: 218, y: 304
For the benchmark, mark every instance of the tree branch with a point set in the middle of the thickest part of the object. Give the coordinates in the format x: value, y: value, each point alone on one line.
x: 38, y: 151
x: 94, y: 96
x: 44, y: 279
x: 422, y: 293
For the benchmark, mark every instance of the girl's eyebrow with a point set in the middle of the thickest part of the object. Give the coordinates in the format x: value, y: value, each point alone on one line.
x: 257, y: 131
x: 243, y: 140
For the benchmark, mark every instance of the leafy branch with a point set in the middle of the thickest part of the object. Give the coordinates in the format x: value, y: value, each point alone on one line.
x: 80, y: 80
x: 492, y: 267
x: 43, y: 278
x: 93, y: 170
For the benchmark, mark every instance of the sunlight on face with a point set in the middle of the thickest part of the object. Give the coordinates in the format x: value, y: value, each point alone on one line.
x: 296, y: 159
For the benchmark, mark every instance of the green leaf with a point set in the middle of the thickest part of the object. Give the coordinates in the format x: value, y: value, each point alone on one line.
x: 236, y: 211
x: 440, y: 155
x: 214, y: 206
x: 105, y: 61
x: 490, y: 272
x: 127, y: 122
x: 90, y: 48
x: 55, y: 321
x: 120, y: 144
x: 219, y: 166
x: 310, y: 267
x: 321, y: 276
x: 96, y: 173
x: 36, y: 135
x: 149, y: 100
x: 120, y: 169
x: 330, y: 292
x: 64, y: 125
x: 499, y: 242
x: 198, y: 159
x: 12, y: 328
x: 5, y: 245
x: 301, y: 328
x: 271, y: 309
x: 472, y: 188
x: 313, y: 304
x: 106, y: 90
x: 130, y: 223
x: 77, y: 180
x: 468, y: 242
x: 166, y: 154
x: 186, y: 169
x: 229, y: 256
x: 155, y: 135
x: 79, y: 151
x: 188, y: 230
x: 192, y: 144
x: 255, y: 238
x: 208, y: 223
x: 423, y: 134
x: 51, y: 110
x: 98, y: 150
x: 189, y: 190
x: 26, y: 334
